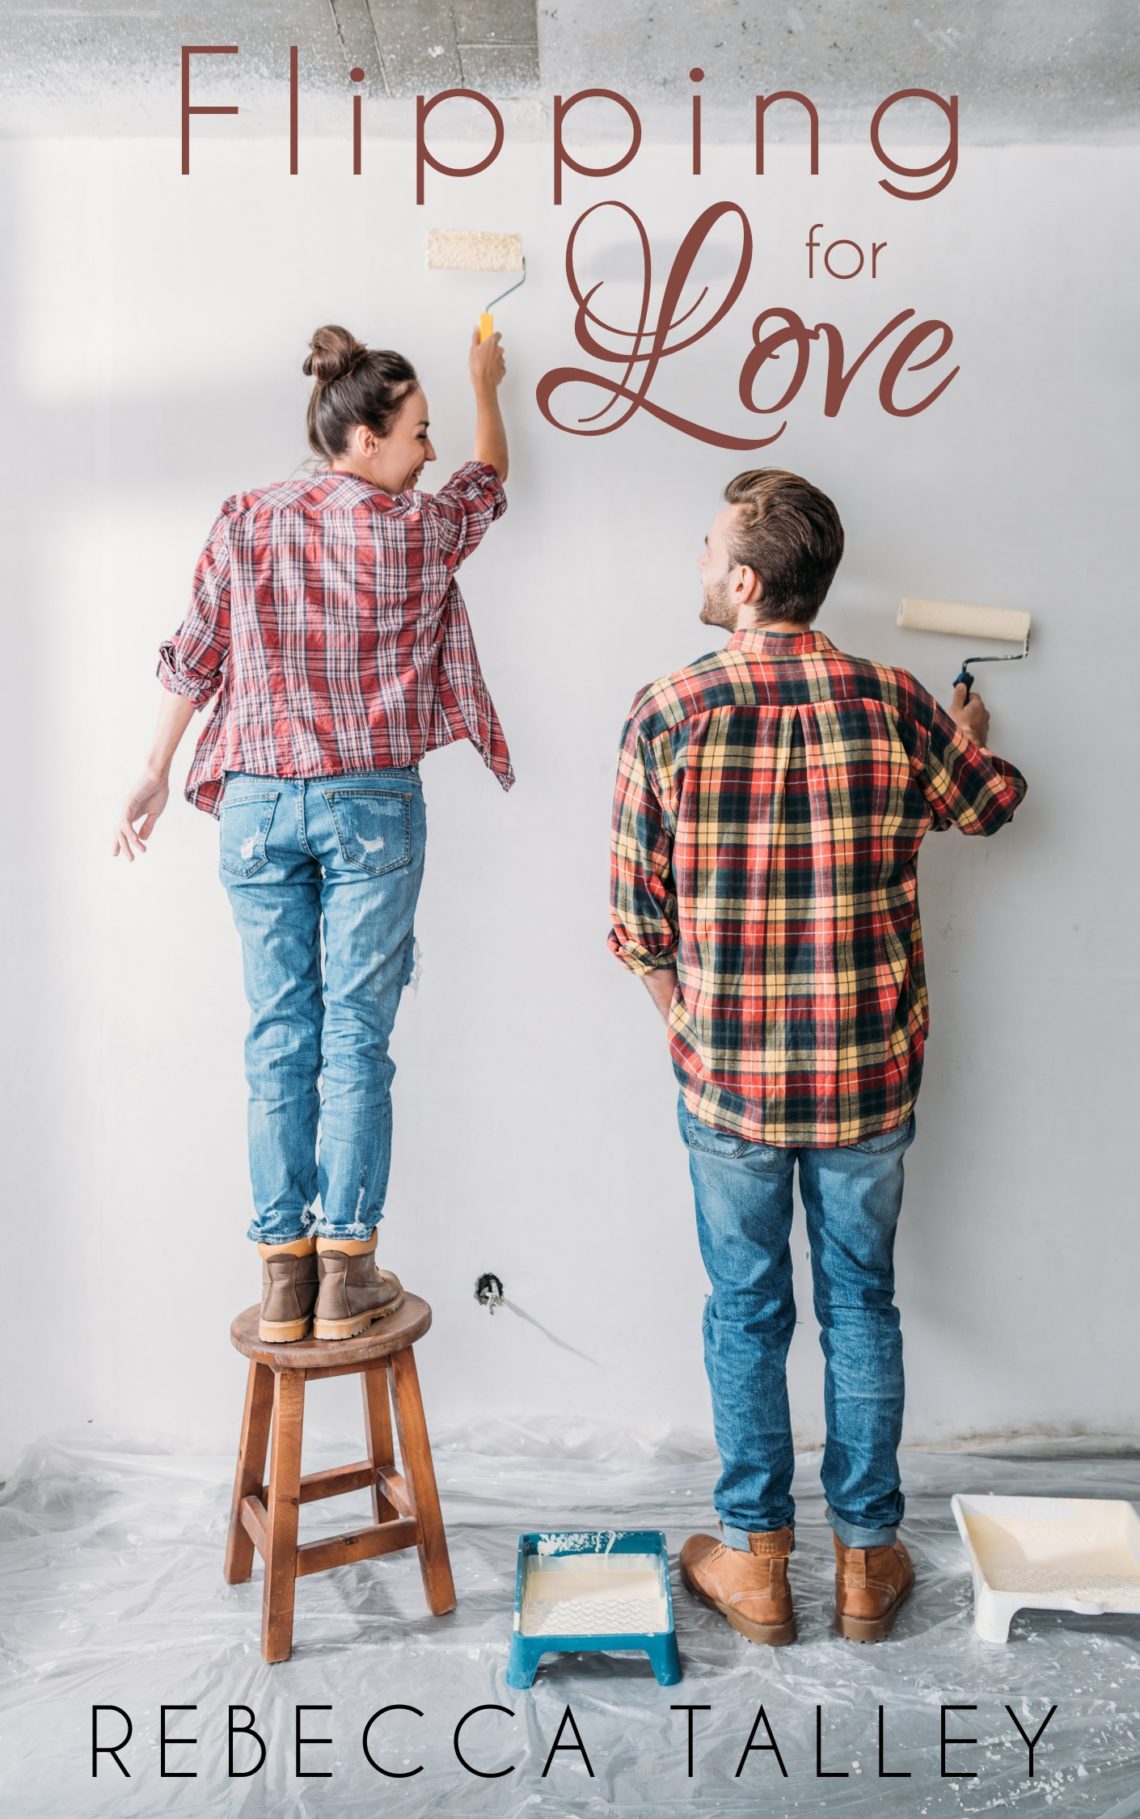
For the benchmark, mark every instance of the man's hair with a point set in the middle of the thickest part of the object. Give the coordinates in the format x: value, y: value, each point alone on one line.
x: 789, y: 534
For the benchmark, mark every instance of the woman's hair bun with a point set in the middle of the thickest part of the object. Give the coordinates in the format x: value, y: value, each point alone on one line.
x: 333, y: 352
x: 354, y: 385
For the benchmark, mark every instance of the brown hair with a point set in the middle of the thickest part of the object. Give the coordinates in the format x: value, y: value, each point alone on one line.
x: 789, y: 534
x: 354, y: 384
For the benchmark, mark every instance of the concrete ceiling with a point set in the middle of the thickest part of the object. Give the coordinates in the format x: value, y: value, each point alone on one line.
x: 1024, y: 69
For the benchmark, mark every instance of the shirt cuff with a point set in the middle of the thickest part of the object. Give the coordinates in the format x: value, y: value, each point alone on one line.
x: 491, y: 486
x: 639, y: 959
x: 193, y: 688
x: 490, y: 490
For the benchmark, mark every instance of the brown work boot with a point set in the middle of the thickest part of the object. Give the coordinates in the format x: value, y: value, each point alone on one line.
x: 750, y: 1589
x: 352, y: 1292
x: 288, y: 1290
x: 870, y: 1584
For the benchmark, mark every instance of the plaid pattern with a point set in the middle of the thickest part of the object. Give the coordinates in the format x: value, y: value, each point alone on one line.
x: 326, y: 616
x: 770, y: 803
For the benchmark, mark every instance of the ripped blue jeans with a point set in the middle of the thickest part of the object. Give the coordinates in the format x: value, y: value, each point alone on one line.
x: 341, y: 856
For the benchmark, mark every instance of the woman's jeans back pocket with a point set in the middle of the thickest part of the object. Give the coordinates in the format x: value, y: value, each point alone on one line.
x: 373, y: 827
x: 246, y: 819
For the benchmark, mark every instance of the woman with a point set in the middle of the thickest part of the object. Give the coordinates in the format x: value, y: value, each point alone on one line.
x: 326, y: 616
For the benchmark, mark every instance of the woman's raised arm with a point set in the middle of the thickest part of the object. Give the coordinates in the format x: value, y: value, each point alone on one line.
x: 486, y: 365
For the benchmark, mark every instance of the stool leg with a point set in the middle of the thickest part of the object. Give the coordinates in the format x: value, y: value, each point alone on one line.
x: 415, y: 1453
x: 250, y: 1472
x: 284, y: 1507
x: 378, y: 1429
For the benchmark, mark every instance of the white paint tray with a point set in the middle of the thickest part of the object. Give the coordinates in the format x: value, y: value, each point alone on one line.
x: 1048, y: 1554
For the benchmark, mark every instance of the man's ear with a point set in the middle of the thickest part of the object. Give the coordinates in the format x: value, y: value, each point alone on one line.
x: 750, y: 585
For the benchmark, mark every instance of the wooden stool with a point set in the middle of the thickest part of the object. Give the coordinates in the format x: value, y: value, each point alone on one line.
x: 405, y: 1503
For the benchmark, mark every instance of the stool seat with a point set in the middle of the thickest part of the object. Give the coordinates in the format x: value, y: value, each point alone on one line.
x: 405, y: 1501
x: 321, y: 1357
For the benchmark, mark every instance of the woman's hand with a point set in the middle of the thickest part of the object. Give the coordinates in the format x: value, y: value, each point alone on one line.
x: 485, y: 362
x: 149, y: 798
x: 487, y: 366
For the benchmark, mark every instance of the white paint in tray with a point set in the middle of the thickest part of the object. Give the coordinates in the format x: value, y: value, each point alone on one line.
x: 1050, y: 1553
x: 590, y: 1595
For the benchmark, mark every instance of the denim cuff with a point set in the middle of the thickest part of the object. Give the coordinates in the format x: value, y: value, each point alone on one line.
x: 851, y: 1536
x: 306, y: 1221
x: 738, y: 1537
x: 324, y: 1229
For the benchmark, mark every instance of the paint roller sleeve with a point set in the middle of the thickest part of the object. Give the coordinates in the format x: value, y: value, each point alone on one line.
x: 963, y: 620
x: 455, y: 249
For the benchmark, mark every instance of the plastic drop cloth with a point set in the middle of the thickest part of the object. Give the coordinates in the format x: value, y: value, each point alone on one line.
x: 112, y: 1593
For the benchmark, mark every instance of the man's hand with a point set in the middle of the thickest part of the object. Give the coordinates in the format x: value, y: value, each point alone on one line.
x: 661, y: 984
x: 972, y: 715
x: 149, y: 798
x: 485, y: 362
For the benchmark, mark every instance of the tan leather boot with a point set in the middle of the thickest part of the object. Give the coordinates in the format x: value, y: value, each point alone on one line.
x: 288, y: 1290
x: 751, y: 1589
x: 870, y: 1585
x: 352, y: 1292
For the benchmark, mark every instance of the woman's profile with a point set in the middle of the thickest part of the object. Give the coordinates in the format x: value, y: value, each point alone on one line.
x: 326, y: 618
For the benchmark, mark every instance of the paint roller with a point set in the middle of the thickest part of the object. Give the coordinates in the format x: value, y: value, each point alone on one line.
x: 965, y: 621
x: 458, y: 249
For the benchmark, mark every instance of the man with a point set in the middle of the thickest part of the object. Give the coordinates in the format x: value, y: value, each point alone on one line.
x: 771, y: 799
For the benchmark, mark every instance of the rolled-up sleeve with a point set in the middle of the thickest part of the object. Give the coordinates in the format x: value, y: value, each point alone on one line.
x: 463, y: 511
x: 192, y: 662
x: 966, y: 785
x: 643, y: 900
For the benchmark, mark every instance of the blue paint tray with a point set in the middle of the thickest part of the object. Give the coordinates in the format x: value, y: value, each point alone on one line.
x: 579, y: 1590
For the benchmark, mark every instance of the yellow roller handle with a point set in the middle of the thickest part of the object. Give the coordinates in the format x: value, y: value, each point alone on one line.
x: 486, y: 326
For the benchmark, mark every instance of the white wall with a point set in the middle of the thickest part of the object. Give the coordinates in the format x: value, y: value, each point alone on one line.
x: 156, y: 327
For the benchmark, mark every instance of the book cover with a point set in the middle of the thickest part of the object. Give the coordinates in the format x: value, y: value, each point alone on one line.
x: 521, y: 519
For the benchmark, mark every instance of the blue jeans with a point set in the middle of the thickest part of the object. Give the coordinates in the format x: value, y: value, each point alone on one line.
x: 852, y: 1196
x: 299, y: 856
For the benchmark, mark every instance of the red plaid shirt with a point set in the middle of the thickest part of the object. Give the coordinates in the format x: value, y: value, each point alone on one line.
x: 326, y: 616
x: 770, y: 803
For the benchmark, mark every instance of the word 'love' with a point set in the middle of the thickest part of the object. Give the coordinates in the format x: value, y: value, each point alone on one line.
x: 776, y: 331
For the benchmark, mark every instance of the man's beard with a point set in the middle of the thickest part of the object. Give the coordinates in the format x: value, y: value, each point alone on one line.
x: 716, y: 608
